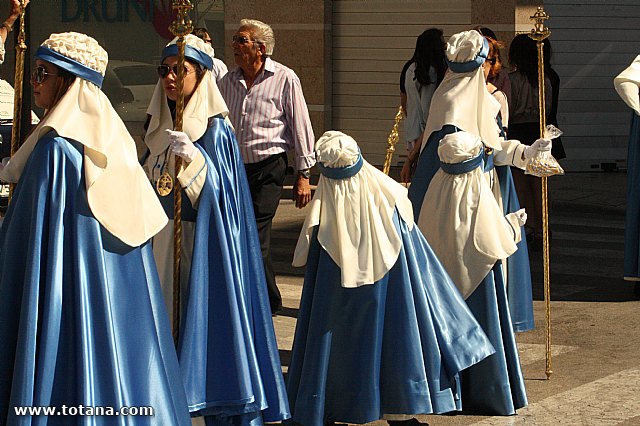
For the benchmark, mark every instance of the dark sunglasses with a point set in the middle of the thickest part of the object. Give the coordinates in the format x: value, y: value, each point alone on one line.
x: 164, y: 70
x: 492, y: 61
x: 241, y: 39
x: 39, y: 74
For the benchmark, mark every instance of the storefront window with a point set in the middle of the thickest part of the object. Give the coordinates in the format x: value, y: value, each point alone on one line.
x: 132, y: 31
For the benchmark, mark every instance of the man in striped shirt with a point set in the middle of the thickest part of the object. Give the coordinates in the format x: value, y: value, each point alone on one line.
x: 270, y: 117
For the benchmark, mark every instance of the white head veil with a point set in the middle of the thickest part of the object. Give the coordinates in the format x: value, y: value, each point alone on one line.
x: 205, y: 102
x: 462, y: 99
x: 113, y: 175
x: 354, y: 214
x: 627, y: 84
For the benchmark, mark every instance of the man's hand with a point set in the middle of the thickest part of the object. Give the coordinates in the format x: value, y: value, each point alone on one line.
x: 301, y: 192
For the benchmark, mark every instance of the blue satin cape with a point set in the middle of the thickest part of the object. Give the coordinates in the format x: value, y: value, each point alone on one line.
x: 82, y: 320
x: 394, y: 347
x: 519, y: 293
x: 228, y: 351
x: 518, y: 269
x: 632, y: 225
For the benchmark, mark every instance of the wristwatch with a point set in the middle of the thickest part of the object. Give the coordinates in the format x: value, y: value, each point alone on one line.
x: 305, y: 173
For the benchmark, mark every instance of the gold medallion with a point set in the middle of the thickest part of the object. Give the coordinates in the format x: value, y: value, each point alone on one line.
x: 164, y: 185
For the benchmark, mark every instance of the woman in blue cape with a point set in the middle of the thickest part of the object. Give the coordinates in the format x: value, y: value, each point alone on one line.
x: 382, y: 330
x: 627, y: 84
x: 460, y: 108
x: 82, y: 321
x: 227, y: 347
x: 462, y: 217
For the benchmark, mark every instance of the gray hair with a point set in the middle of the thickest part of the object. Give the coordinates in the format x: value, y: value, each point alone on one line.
x: 261, y: 32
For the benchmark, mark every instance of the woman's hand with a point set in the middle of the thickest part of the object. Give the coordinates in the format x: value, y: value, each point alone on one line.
x: 15, y: 10
x: 409, y: 167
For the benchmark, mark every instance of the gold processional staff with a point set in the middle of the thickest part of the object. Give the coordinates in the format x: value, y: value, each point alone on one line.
x: 21, y: 48
x: 392, y: 140
x: 179, y: 28
x: 543, y: 167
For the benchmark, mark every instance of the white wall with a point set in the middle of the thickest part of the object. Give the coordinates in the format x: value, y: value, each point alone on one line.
x: 593, y: 40
x: 371, y: 42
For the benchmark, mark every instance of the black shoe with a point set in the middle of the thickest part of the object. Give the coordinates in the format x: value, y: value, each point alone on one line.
x: 410, y: 422
x: 275, y: 310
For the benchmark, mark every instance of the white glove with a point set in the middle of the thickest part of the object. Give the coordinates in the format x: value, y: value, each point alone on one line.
x: 181, y: 145
x: 4, y: 163
x: 538, y: 145
x: 521, y: 215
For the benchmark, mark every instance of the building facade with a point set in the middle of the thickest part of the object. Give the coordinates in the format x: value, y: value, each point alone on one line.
x: 349, y: 53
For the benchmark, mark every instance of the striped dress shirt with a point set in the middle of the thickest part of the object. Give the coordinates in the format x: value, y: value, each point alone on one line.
x: 271, y: 117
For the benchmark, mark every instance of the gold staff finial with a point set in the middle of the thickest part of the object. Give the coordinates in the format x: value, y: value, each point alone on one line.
x: 392, y: 140
x: 21, y: 48
x: 539, y: 33
x: 180, y: 28
x: 182, y: 25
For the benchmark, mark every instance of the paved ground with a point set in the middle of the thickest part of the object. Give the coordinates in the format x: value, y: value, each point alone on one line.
x: 595, y: 314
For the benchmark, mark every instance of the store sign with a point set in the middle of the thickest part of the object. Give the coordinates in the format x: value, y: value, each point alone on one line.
x: 107, y: 10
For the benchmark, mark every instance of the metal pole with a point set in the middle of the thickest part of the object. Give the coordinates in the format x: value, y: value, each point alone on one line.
x: 540, y: 33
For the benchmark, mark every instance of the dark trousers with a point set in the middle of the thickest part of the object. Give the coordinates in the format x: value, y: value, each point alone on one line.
x: 266, y: 179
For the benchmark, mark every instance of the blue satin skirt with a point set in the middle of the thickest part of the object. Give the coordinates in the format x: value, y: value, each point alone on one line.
x: 632, y: 224
x: 394, y: 347
x: 82, y: 321
x: 519, y: 292
x: 495, y: 386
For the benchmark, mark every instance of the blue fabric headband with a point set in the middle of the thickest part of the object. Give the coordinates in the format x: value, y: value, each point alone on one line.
x: 462, y: 67
x: 189, y: 52
x: 341, y: 172
x: 71, y: 65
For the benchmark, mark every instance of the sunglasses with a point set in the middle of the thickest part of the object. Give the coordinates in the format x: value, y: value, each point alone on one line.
x: 492, y: 61
x: 241, y: 39
x: 164, y: 70
x: 39, y: 74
